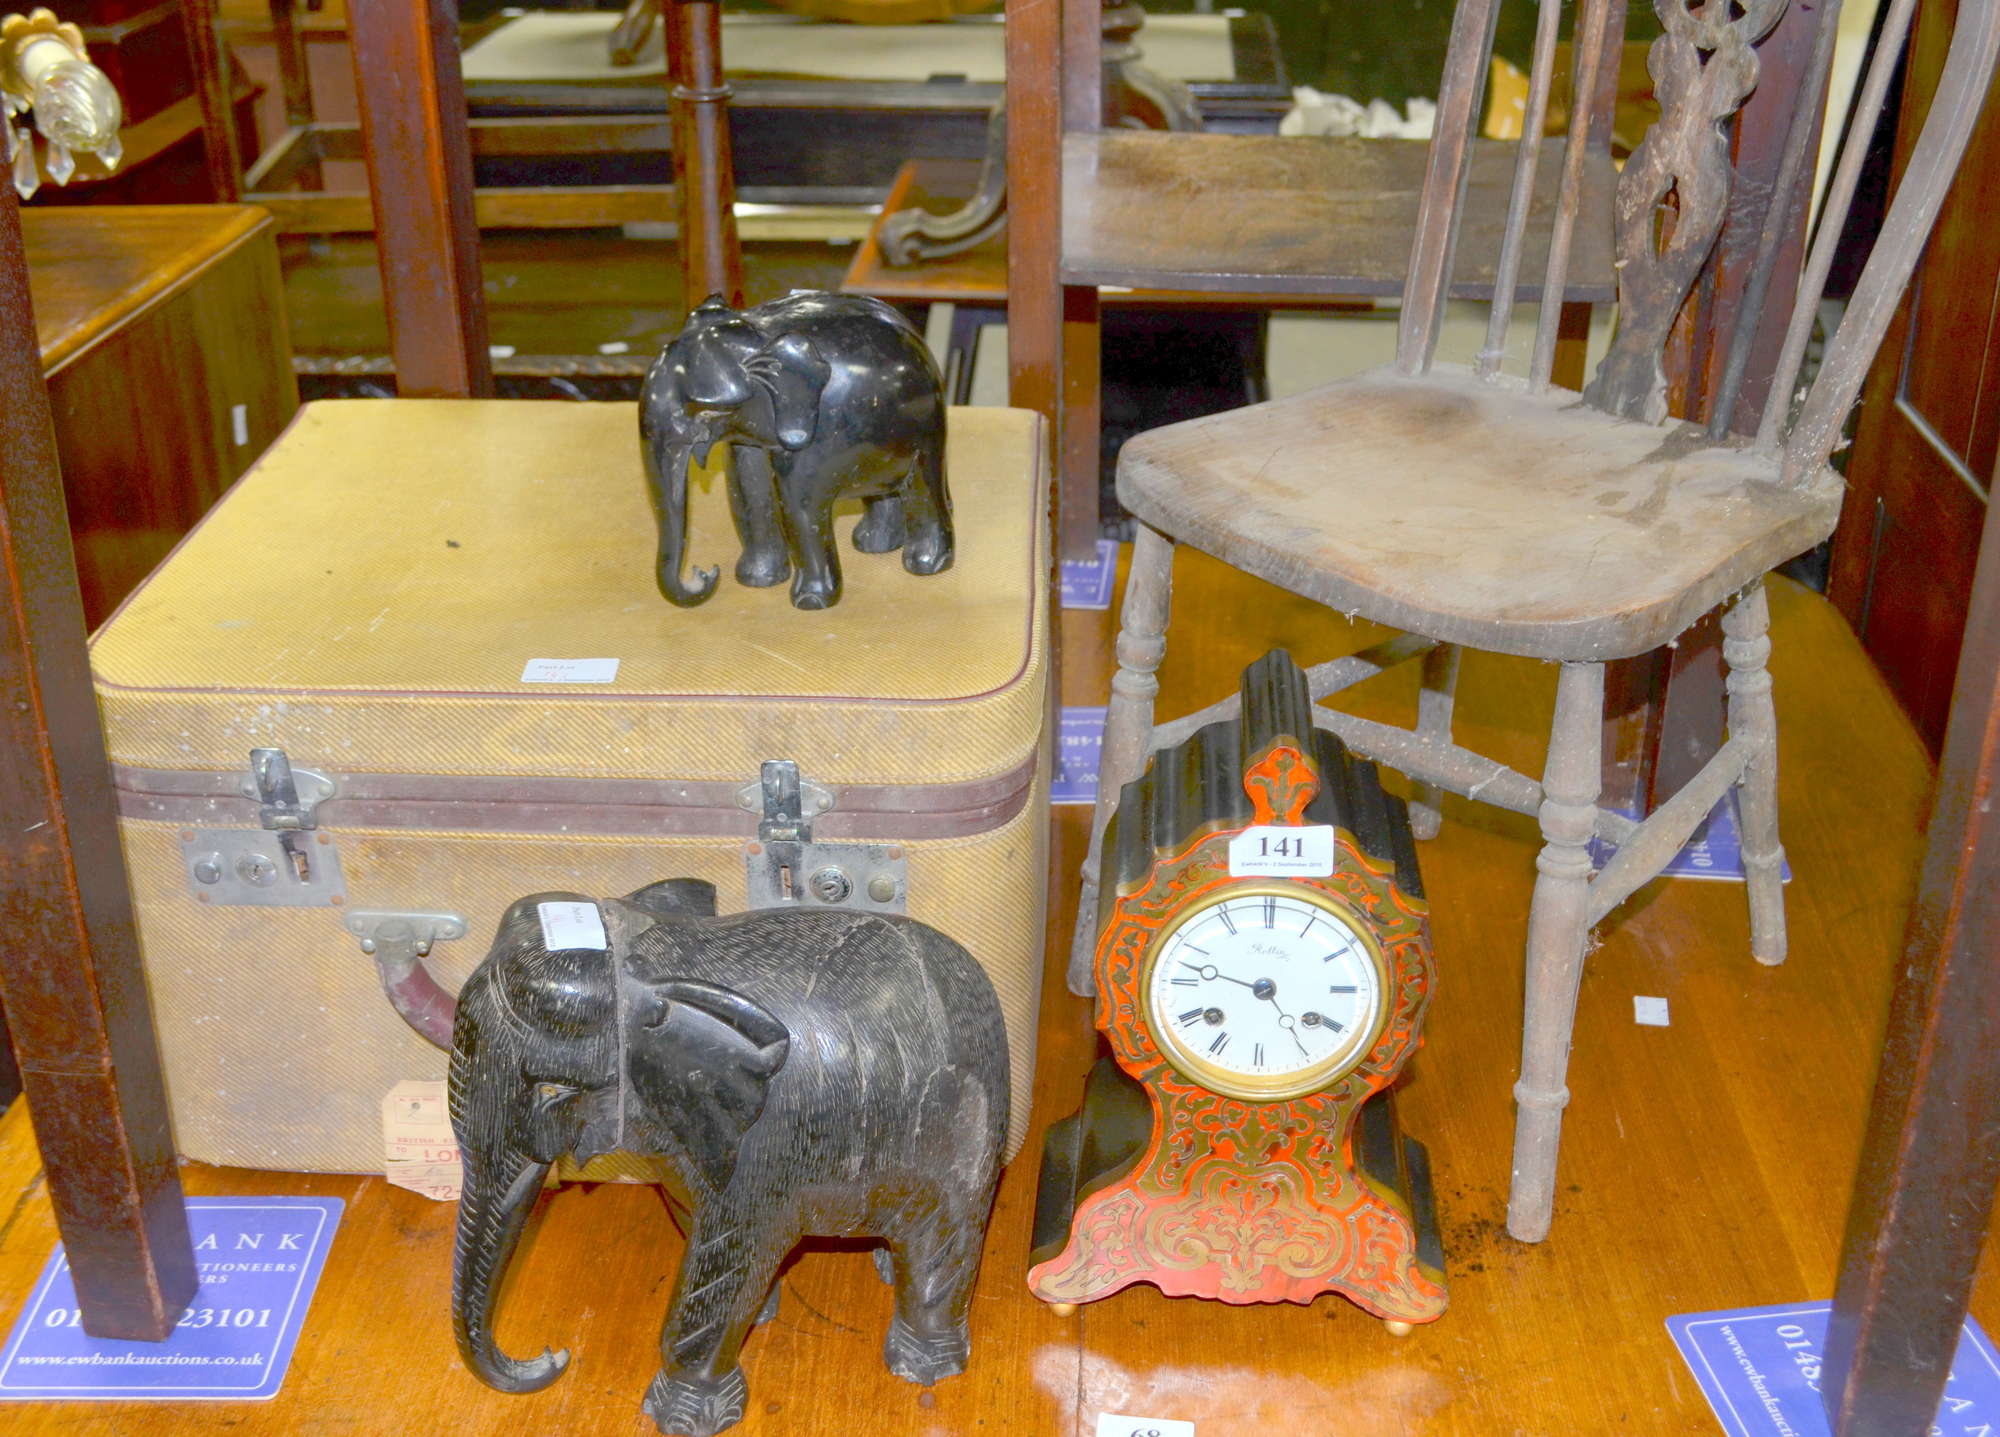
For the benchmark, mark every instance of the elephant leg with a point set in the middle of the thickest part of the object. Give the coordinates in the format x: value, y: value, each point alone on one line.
x: 927, y: 511
x: 723, y: 1285
x: 881, y: 528
x: 809, y: 520
x: 753, y: 503
x: 935, y: 1264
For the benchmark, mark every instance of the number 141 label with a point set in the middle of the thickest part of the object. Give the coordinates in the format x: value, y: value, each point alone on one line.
x: 1273, y: 852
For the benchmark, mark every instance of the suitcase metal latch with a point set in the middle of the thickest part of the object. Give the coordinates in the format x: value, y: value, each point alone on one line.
x: 285, y: 863
x: 287, y: 798
x: 785, y: 868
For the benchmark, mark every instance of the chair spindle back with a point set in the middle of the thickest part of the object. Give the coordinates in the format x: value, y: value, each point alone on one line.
x: 1467, y: 61
x: 1673, y: 196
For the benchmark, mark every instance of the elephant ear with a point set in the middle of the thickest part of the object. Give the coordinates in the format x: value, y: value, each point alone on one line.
x: 794, y: 374
x: 709, y: 1059
x: 676, y: 897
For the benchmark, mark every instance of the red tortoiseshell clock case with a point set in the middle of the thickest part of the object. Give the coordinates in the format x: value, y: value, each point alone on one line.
x: 1232, y: 1198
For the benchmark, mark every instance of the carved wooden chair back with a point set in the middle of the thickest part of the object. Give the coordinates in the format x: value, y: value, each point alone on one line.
x: 1674, y: 194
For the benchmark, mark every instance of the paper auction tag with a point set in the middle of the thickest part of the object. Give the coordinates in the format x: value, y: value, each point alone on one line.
x: 1116, y: 1424
x: 569, y: 671
x: 1274, y: 851
x: 419, y: 1150
x: 571, y: 925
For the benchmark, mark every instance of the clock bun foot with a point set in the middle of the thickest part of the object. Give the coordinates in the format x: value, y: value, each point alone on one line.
x: 1397, y: 1329
x: 1063, y: 1309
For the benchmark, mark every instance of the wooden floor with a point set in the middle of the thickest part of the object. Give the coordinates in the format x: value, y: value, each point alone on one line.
x: 1706, y: 1164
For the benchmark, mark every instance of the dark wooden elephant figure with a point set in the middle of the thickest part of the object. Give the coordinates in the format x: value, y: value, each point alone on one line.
x: 802, y: 1073
x: 820, y: 397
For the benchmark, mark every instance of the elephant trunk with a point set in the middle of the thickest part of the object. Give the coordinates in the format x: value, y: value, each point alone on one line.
x: 499, y: 1191
x: 667, y: 464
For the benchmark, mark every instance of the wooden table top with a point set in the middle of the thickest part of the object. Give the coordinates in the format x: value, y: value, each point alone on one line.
x: 1257, y: 221
x: 1705, y: 1164
x: 92, y: 267
x: 1303, y: 216
x: 979, y: 275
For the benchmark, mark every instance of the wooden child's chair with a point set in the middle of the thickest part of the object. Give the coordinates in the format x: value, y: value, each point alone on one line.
x: 1470, y: 506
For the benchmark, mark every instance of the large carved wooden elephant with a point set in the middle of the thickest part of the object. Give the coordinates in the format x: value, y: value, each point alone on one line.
x: 802, y: 1073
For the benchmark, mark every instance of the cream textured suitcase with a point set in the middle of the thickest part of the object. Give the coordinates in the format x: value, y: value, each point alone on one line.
x: 377, y: 599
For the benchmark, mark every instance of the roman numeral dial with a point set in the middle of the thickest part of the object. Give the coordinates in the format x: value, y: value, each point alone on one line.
x: 1265, y: 991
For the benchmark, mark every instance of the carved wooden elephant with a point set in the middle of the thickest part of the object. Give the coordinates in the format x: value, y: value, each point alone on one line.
x: 815, y: 1072
x: 818, y: 398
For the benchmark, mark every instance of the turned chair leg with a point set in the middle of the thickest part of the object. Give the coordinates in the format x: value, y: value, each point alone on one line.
x: 1128, y: 723
x: 1753, y: 718
x: 1558, y: 927
x: 1434, y: 700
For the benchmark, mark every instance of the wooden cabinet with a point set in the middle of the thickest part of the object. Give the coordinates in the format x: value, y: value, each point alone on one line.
x: 162, y: 332
x: 1928, y: 438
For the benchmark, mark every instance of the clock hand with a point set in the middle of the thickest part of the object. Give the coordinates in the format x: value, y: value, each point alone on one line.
x: 1290, y: 1025
x: 1267, y: 990
x: 1209, y: 970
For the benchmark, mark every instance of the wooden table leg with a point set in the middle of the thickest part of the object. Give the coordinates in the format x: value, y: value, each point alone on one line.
x: 1079, y: 422
x: 704, y: 172
x: 1572, y: 345
x: 1034, y: 219
x: 69, y: 972
x: 210, y: 63
x: 295, y: 80
x: 1932, y: 1151
x: 413, y: 130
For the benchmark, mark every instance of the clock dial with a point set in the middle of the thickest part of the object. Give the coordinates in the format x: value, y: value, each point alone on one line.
x: 1264, y: 992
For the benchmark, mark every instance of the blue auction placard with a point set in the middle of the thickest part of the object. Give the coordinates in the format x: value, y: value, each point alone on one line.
x: 259, y: 1260
x: 1079, y: 744
x: 1086, y: 583
x: 1715, y: 851
x: 1760, y: 1368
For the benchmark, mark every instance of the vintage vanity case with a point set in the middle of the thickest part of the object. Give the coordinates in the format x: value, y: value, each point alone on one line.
x: 414, y: 666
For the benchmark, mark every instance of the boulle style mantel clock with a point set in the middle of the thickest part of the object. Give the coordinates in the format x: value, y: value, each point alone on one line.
x: 1263, y: 965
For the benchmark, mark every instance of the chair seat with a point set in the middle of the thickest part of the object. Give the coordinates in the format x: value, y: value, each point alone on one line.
x: 1472, y: 511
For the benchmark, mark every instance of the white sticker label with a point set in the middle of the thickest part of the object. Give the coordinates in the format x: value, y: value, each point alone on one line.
x: 1117, y: 1424
x: 419, y: 1151
x: 1649, y: 1012
x: 1278, y: 852
x: 571, y: 925
x: 239, y: 424
x: 569, y: 671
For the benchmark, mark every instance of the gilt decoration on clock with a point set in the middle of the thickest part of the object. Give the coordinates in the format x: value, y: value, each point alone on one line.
x: 1240, y: 1141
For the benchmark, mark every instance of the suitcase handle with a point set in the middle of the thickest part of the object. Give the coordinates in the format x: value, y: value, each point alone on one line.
x: 398, y: 942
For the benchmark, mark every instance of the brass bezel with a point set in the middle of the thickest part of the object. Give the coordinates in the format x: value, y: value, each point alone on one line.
x: 1251, y: 1088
